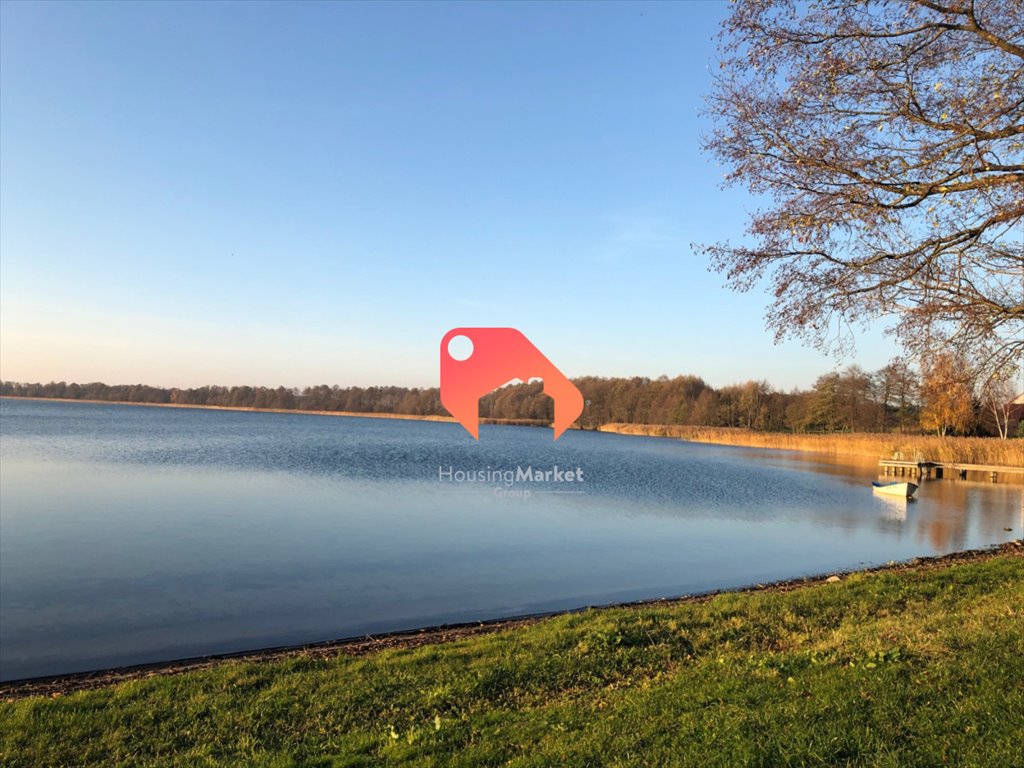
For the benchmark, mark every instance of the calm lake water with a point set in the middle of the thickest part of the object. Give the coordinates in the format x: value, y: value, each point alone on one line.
x: 132, y: 534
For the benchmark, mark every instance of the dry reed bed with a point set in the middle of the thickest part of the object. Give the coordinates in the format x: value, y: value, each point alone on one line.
x: 965, y: 450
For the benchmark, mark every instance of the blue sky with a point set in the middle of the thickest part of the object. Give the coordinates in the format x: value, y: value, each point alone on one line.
x: 314, y: 193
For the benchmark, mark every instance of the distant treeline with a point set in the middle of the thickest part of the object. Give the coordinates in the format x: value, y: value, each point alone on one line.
x: 851, y: 400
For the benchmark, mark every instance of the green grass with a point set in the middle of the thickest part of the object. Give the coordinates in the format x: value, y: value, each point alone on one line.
x: 918, y: 668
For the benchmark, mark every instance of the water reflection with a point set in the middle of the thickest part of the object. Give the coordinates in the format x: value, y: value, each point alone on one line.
x: 895, y: 509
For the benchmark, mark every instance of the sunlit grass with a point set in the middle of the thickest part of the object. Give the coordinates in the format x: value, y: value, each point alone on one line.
x: 891, y: 669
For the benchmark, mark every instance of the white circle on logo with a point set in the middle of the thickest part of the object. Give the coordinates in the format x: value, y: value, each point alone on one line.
x: 460, y: 347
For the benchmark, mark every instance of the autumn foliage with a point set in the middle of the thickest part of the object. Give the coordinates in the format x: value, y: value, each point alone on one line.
x: 886, y: 140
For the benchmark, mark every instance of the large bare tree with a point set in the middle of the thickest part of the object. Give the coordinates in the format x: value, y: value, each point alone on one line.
x: 885, y: 139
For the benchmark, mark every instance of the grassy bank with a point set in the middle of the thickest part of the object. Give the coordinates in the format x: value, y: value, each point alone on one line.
x: 967, y: 450
x: 903, y: 668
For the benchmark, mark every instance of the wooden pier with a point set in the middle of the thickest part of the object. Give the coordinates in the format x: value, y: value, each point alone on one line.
x: 940, y: 469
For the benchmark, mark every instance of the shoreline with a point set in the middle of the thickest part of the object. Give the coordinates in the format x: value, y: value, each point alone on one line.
x: 850, y: 447
x: 252, y: 409
x: 59, y: 685
x: 842, y: 447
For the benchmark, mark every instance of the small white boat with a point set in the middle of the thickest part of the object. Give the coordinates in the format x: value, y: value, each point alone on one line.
x: 903, y: 490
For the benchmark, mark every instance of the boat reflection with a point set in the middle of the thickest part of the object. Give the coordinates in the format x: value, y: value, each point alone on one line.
x: 894, y: 507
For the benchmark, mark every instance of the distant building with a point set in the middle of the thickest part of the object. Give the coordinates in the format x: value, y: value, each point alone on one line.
x: 1016, y: 413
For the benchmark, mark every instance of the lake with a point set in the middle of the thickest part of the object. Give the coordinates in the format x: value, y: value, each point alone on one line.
x: 133, y: 534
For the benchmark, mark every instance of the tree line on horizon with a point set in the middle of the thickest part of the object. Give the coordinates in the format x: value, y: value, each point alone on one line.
x: 893, y: 398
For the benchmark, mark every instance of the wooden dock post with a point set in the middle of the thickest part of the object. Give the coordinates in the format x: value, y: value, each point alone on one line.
x: 926, y: 470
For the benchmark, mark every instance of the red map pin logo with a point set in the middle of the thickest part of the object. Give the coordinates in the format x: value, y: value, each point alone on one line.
x: 500, y: 355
